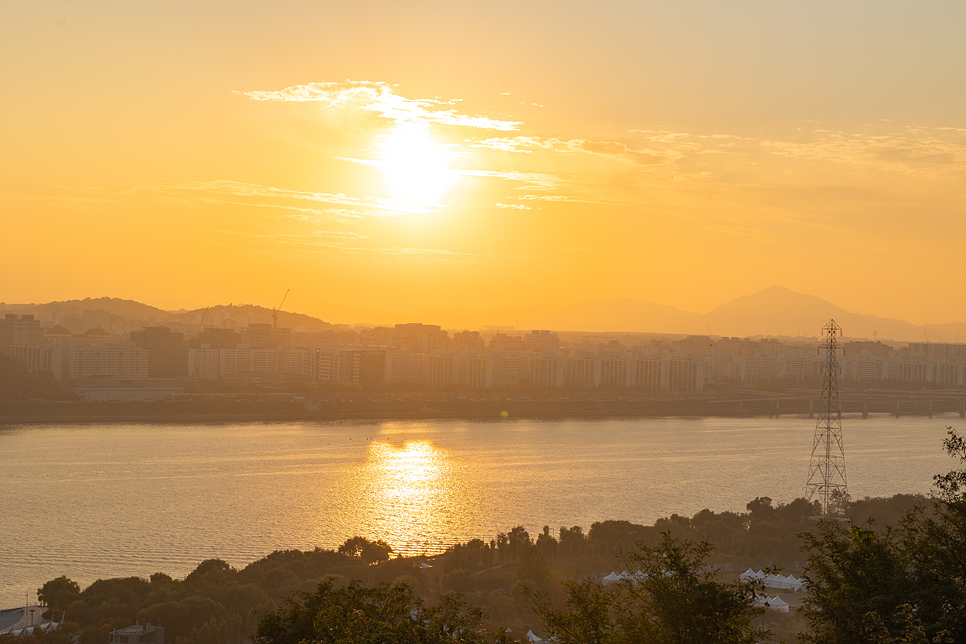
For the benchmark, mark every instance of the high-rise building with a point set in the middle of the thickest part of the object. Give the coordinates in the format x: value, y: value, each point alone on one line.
x: 168, y: 351
x: 19, y: 330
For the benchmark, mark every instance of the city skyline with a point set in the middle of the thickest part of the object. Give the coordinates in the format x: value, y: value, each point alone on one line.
x: 654, y: 152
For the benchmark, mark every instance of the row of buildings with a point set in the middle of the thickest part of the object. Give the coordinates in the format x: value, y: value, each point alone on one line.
x: 426, y: 355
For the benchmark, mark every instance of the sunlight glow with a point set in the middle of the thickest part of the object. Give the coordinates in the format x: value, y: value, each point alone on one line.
x: 415, y: 167
x: 412, y: 495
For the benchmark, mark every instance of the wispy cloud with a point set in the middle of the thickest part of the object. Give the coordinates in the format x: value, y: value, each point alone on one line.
x: 559, y: 198
x: 343, y: 243
x: 380, y: 98
x: 912, y: 150
x: 324, y: 238
x: 516, y: 206
x: 534, y: 180
x: 262, y: 196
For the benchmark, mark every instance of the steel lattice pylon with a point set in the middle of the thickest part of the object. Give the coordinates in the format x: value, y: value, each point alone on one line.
x: 826, y: 470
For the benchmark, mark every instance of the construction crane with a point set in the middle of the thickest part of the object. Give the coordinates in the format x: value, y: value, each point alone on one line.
x: 278, y: 308
x: 202, y: 323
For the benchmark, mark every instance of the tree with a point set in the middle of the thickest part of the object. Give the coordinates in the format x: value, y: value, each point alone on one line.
x: 58, y: 593
x: 546, y: 544
x: 856, y: 581
x: 904, y: 584
x: 210, y: 571
x: 675, y: 599
x: 386, y: 613
x: 571, y: 540
x: 935, y: 543
x: 371, y: 552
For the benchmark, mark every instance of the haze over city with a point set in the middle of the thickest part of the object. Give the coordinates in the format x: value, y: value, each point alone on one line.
x: 444, y: 159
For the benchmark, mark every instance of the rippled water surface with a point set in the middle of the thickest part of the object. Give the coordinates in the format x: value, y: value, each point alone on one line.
x: 93, y: 501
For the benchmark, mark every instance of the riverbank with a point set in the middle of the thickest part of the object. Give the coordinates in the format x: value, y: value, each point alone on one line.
x: 234, y: 410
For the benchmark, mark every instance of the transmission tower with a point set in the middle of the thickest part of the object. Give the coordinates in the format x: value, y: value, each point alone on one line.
x: 826, y: 469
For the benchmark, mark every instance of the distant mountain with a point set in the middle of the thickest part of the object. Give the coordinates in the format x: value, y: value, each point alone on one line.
x: 775, y: 311
x: 782, y: 311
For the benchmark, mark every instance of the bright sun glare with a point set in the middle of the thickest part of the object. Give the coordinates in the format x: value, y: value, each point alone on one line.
x: 414, y: 166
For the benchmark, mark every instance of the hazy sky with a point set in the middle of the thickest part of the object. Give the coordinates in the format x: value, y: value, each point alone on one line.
x: 414, y: 157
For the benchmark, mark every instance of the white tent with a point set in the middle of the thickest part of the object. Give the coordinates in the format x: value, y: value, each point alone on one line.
x: 533, y: 638
x: 784, y: 583
x: 779, y: 604
x: 612, y: 578
x: 748, y: 574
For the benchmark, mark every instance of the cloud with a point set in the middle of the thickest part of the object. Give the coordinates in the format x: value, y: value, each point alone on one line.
x: 559, y: 198
x: 516, y: 206
x: 607, y: 148
x: 380, y: 98
x: 271, y: 197
x: 314, y: 238
x: 331, y: 242
x: 534, y: 180
x: 918, y: 151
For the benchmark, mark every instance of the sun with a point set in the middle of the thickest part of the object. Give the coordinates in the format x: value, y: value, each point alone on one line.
x: 415, y: 168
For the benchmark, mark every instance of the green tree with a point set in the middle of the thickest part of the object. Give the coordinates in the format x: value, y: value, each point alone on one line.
x: 675, y: 599
x: 572, y: 540
x: 935, y: 544
x: 546, y: 544
x: 355, y: 614
x: 371, y: 552
x: 901, y: 585
x: 856, y: 581
x: 58, y: 593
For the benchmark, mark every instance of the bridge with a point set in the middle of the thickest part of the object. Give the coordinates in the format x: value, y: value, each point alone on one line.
x: 806, y: 401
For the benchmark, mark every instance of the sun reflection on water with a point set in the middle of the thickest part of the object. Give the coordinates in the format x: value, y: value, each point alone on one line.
x: 410, y: 495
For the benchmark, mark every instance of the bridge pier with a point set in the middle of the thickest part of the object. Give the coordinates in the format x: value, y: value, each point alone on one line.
x: 865, y: 409
x: 811, y: 408
x: 962, y: 408
x: 777, y: 408
x: 897, y: 408
x: 930, y: 407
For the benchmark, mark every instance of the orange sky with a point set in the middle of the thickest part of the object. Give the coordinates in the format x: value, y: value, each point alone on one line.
x: 399, y: 159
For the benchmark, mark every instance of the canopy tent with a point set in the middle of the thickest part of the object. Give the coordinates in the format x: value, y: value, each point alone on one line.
x: 612, y: 578
x: 749, y: 574
x: 779, y: 604
x: 784, y: 583
x: 533, y: 638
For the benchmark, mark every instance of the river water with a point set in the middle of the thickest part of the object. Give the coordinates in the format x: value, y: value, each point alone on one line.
x: 96, y: 501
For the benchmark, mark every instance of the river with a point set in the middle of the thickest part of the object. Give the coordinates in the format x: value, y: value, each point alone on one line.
x: 107, y: 500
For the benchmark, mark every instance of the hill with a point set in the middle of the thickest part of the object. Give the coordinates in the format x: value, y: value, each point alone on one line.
x: 782, y: 311
x: 774, y: 311
x: 286, y: 319
x: 115, y: 305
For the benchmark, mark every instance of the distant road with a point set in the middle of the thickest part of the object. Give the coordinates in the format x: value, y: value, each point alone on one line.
x: 734, y: 404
